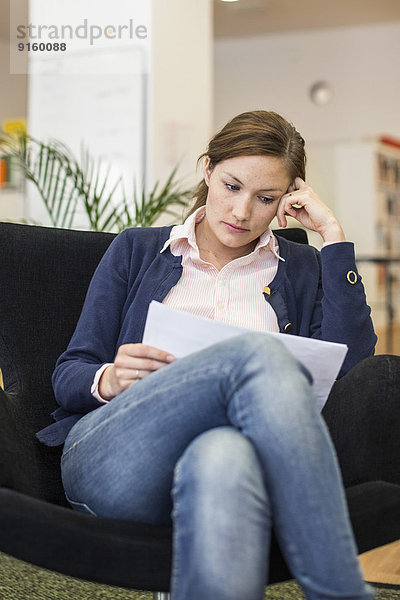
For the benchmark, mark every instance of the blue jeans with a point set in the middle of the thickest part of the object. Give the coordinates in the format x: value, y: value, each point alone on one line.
x: 227, y: 443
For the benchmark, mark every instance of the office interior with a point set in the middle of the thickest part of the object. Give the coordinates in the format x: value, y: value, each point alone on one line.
x: 330, y: 69
x: 333, y: 69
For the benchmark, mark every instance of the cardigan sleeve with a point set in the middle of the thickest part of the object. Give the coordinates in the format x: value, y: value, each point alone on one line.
x: 94, y: 340
x: 341, y: 313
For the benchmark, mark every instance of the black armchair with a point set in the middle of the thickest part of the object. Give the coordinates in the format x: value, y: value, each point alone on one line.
x: 44, y: 274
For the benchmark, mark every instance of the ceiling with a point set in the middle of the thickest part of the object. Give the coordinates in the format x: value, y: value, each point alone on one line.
x: 258, y: 17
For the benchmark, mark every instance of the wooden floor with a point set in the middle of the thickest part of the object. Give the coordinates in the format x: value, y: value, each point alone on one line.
x: 382, y: 565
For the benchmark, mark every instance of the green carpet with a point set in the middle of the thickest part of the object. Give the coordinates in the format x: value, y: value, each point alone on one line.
x: 22, y: 581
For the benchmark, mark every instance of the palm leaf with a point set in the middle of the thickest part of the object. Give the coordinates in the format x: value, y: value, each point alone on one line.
x: 64, y: 185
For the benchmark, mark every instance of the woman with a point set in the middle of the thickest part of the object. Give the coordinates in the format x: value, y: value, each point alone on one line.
x: 227, y: 441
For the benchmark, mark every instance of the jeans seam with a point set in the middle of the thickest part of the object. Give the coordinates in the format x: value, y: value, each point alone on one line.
x: 175, y: 563
x: 76, y: 502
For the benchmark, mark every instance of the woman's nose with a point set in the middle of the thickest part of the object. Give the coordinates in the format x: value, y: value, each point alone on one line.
x: 241, y: 209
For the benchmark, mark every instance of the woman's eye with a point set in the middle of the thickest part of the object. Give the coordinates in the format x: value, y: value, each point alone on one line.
x: 232, y: 187
x: 266, y: 199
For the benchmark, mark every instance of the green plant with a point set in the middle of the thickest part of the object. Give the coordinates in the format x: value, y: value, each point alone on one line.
x: 67, y: 185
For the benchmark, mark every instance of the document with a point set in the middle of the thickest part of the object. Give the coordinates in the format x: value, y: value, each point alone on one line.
x: 182, y: 333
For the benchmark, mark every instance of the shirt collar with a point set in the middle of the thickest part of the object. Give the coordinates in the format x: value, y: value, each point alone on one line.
x: 187, y: 231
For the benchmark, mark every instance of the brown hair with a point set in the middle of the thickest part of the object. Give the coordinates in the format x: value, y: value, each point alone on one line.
x: 255, y: 133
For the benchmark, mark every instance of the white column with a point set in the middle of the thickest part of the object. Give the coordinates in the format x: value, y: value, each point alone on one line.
x: 181, y: 86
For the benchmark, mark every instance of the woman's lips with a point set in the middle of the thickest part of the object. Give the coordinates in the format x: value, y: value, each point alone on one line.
x: 234, y: 228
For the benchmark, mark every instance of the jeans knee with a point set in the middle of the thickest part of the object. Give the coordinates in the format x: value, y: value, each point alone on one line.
x: 269, y: 352
x: 272, y: 389
x: 221, y: 517
x: 258, y: 344
x: 218, y: 462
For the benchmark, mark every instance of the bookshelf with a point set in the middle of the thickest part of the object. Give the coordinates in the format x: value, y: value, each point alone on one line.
x: 360, y: 180
x: 367, y: 202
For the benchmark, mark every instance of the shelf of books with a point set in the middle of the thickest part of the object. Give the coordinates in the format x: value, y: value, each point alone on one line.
x: 360, y: 180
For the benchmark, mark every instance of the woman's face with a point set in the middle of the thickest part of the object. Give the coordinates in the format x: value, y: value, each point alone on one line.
x: 243, y: 197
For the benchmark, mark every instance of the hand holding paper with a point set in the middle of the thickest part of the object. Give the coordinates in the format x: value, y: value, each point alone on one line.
x: 181, y: 333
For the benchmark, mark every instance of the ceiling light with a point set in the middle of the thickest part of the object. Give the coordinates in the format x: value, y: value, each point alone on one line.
x: 321, y: 93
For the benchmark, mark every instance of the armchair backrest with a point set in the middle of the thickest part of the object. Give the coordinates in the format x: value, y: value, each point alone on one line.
x: 44, y: 275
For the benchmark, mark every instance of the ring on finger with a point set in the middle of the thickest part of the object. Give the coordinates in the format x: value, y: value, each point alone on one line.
x: 137, y: 374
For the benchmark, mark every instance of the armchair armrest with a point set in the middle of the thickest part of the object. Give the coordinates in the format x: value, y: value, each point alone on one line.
x: 17, y: 461
x: 363, y: 417
x: 25, y: 465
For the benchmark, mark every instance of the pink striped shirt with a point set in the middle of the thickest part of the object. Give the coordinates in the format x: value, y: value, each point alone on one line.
x: 234, y: 294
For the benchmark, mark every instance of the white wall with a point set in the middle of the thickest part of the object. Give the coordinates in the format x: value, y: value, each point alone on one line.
x: 140, y: 126
x: 12, y: 87
x: 12, y: 106
x: 93, y: 94
x: 276, y: 71
x: 182, y: 84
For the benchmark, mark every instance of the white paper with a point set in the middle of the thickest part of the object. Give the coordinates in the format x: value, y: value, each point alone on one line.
x: 182, y: 333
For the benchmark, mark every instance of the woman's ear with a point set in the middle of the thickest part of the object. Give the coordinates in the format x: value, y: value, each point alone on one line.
x: 207, y: 169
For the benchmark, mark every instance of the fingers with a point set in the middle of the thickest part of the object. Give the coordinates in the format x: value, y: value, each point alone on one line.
x: 285, y: 206
x: 132, y: 363
x: 144, y: 351
x: 133, y: 357
x: 298, y: 193
x: 127, y: 377
x: 299, y: 184
x: 281, y: 214
x: 303, y: 203
x: 136, y: 361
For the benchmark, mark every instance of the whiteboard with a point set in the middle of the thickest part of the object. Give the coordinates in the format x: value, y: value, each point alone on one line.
x: 93, y: 99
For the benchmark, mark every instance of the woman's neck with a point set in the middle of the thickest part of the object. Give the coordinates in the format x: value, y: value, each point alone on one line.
x: 217, y: 254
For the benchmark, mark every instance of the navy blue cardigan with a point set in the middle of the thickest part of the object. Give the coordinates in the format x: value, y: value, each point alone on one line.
x: 314, y: 294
